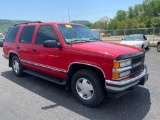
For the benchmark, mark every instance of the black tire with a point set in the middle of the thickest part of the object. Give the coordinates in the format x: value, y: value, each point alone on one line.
x: 158, y: 47
x: 16, y: 66
x: 98, y: 92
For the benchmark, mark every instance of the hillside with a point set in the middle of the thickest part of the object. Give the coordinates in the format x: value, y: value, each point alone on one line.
x: 5, y: 24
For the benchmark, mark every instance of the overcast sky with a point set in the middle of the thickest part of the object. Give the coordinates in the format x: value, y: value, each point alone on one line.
x: 57, y: 10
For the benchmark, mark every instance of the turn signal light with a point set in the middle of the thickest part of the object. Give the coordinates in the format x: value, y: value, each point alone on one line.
x: 116, y: 65
x: 115, y: 75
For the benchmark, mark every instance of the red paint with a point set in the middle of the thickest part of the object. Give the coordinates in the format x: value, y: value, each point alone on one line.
x: 98, y: 54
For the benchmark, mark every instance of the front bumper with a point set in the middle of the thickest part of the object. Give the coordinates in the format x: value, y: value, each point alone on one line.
x: 118, y: 86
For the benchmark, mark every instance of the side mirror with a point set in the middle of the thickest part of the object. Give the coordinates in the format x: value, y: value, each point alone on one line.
x: 51, y: 43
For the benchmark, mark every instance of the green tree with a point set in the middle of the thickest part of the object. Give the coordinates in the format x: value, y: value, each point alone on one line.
x: 121, y: 15
x: 137, y: 9
x: 102, y: 23
x: 130, y: 12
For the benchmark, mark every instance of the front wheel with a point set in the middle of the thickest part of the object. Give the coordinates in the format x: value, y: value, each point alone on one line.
x: 16, y: 66
x: 88, y: 87
x: 158, y: 47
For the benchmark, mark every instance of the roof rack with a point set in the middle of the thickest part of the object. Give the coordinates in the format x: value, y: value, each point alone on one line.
x: 28, y: 23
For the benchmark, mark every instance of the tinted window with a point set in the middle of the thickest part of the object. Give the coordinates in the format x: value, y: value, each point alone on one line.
x: 27, y: 34
x: 46, y: 32
x: 11, y: 35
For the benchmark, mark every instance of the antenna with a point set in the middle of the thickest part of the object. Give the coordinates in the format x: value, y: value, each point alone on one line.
x: 68, y: 14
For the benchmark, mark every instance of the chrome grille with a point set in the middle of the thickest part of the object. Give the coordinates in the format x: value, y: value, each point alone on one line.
x: 137, y: 64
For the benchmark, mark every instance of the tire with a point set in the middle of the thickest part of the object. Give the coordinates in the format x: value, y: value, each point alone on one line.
x: 16, y: 66
x: 88, y: 87
x: 158, y: 47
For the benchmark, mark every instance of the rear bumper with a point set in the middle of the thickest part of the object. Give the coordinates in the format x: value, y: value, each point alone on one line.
x: 118, y: 86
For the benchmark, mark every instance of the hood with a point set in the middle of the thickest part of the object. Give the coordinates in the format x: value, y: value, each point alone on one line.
x: 109, y: 49
x: 133, y: 43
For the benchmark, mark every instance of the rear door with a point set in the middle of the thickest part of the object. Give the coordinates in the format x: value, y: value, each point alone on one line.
x: 24, y: 47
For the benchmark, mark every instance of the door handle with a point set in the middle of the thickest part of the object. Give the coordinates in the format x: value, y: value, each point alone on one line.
x: 18, y: 47
x: 34, y: 50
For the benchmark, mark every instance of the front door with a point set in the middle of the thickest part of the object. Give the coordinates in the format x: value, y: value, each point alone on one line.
x: 47, y: 60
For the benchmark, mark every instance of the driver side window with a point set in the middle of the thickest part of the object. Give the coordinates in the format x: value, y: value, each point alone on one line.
x: 46, y: 32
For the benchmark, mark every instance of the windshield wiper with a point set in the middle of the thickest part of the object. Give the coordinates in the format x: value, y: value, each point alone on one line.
x: 72, y: 41
x: 94, y: 39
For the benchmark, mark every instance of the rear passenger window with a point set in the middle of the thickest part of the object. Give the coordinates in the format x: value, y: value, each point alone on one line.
x: 11, y: 34
x: 46, y: 32
x: 27, y: 34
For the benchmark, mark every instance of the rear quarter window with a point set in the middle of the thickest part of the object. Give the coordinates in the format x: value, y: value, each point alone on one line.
x: 11, y: 34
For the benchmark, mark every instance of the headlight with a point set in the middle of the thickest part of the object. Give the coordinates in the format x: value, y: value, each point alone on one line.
x: 121, y: 64
x: 121, y: 69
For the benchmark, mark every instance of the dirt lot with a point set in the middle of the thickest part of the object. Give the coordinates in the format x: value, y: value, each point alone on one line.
x: 31, y: 98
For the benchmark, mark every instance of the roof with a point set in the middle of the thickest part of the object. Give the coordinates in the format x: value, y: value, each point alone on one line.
x: 39, y: 22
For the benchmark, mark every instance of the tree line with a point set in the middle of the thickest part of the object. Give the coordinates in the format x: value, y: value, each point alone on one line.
x: 143, y: 15
x: 6, y: 24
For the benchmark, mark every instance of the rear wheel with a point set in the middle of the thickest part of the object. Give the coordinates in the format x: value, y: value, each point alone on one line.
x: 88, y: 87
x: 16, y: 66
x: 158, y: 47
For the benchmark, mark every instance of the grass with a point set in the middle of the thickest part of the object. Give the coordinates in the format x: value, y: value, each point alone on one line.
x: 152, y: 45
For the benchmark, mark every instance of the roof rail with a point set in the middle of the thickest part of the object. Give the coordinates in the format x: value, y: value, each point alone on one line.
x: 28, y: 22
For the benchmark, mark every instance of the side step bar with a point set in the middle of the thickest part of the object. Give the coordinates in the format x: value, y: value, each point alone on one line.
x: 46, y: 77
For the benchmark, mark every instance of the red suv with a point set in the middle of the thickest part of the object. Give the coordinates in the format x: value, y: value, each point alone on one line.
x: 71, y: 55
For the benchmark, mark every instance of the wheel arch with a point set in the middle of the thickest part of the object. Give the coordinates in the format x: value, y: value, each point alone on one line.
x: 11, y: 54
x: 74, y: 67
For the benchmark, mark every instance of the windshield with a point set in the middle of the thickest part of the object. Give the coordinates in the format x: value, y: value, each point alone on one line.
x: 133, y: 37
x: 1, y: 36
x: 77, y: 33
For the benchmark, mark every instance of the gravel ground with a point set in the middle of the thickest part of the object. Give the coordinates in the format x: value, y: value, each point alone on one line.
x: 31, y: 98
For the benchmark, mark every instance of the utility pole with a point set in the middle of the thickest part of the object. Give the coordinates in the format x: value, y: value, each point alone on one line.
x: 68, y: 14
